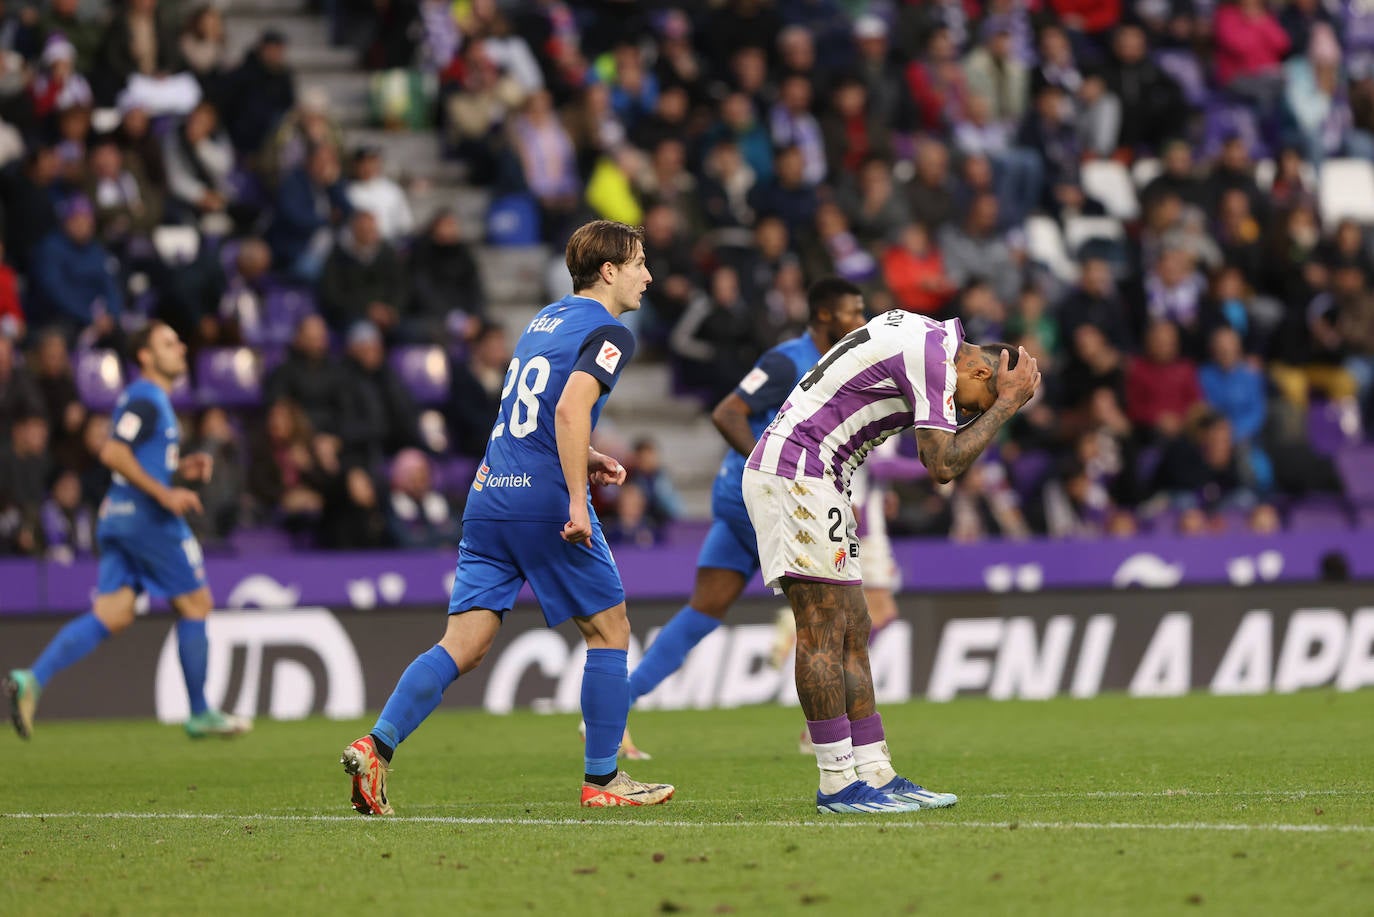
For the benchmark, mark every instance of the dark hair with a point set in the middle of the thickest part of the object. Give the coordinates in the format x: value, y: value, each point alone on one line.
x: 140, y: 339
x: 594, y: 244
x: 826, y: 294
x: 993, y: 354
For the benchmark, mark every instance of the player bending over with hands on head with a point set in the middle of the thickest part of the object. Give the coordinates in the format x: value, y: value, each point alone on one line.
x: 145, y: 543
x: 899, y: 371
x: 529, y: 519
x: 730, y: 555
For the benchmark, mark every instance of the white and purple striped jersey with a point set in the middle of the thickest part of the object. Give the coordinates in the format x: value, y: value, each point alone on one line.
x: 892, y: 374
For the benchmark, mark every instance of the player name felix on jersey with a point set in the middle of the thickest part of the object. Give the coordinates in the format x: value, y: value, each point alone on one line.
x: 544, y: 323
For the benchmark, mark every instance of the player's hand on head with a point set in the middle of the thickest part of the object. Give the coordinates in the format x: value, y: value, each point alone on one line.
x: 1017, y: 385
x: 179, y: 501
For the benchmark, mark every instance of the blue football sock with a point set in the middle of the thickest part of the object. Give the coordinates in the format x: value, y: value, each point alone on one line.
x: 72, y: 644
x: 669, y: 650
x: 194, y: 650
x: 419, y: 691
x: 605, y: 705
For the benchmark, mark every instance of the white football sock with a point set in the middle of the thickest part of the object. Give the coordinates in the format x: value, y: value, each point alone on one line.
x: 836, y: 761
x: 873, y: 763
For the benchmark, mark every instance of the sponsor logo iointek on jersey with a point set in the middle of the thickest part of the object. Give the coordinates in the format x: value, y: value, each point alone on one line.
x: 486, y: 478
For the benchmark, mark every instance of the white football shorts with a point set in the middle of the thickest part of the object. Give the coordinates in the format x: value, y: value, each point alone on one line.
x: 806, y: 530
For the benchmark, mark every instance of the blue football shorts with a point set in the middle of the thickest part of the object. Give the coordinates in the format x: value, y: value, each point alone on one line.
x: 163, y: 565
x: 730, y: 544
x: 496, y: 557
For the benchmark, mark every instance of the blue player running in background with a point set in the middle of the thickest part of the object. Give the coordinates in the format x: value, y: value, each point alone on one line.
x: 730, y: 554
x: 529, y: 519
x: 145, y: 543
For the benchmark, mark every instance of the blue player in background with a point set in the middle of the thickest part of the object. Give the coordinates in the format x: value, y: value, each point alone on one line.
x: 730, y: 554
x: 145, y: 543
x: 529, y: 519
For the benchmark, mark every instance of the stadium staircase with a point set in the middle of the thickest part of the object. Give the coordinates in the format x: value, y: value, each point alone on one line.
x: 644, y: 403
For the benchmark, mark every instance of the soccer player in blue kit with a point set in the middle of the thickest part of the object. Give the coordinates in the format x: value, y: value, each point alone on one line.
x: 529, y: 519
x: 145, y: 543
x: 730, y: 554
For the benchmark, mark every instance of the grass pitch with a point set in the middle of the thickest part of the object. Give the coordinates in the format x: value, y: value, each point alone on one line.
x: 1254, y: 805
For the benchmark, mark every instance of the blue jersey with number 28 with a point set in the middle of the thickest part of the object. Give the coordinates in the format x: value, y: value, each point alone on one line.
x: 520, y: 476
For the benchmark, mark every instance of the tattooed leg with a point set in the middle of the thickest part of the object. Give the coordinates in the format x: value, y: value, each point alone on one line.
x: 858, y: 679
x: 822, y: 621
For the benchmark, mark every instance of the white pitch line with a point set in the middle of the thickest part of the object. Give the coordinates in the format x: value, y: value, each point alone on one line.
x: 890, y: 821
x: 1162, y: 794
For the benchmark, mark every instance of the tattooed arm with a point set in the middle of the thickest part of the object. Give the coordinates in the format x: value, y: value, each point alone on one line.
x: 948, y: 454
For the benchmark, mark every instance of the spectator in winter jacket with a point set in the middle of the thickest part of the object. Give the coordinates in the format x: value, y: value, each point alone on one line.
x: 50, y: 367
x: 19, y: 396
x: 31, y: 194
x: 475, y: 390
x: 71, y: 282
x: 915, y: 273
x: 63, y: 18
x: 363, y: 278
x: 1161, y: 386
x: 310, y: 203
x: 1152, y: 105
x: 418, y: 516
x: 378, y: 416
x: 978, y: 250
x: 200, y: 164
x: 58, y: 86
x: 1250, y: 47
x: 134, y: 43
x: 127, y: 206
x: 1097, y: 302
x: 258, y: 93
x: 446, y: 294
x: 310, y: 377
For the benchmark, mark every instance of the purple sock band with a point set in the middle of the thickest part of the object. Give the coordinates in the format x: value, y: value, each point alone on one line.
x: 867, y: 730
x: 823, y: 732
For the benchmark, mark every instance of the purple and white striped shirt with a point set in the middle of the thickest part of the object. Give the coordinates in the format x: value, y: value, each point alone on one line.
x: 892, y: 374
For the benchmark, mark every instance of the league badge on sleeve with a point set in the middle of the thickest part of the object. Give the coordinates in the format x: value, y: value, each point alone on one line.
x: 609, y: 357
x: 754, y: 381
x: 129, y: 426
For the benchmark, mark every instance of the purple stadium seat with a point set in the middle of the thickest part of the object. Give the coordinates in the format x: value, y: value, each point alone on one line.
x: 1324, y: 431
x: 1318, y: 515
x: 229, y: 377
x: 1364, y: 518
x: 183, y: 396
x: 99, y: 378
x: 1029, y: 471
x: 1356, y: 467
x: 424, y: 372
x: 284, y: 307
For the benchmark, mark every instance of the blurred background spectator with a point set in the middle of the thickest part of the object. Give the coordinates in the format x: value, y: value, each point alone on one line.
x: 1168, y: 203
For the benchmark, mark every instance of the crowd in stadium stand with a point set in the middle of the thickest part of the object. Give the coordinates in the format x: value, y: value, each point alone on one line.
x: 1165, y: 201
